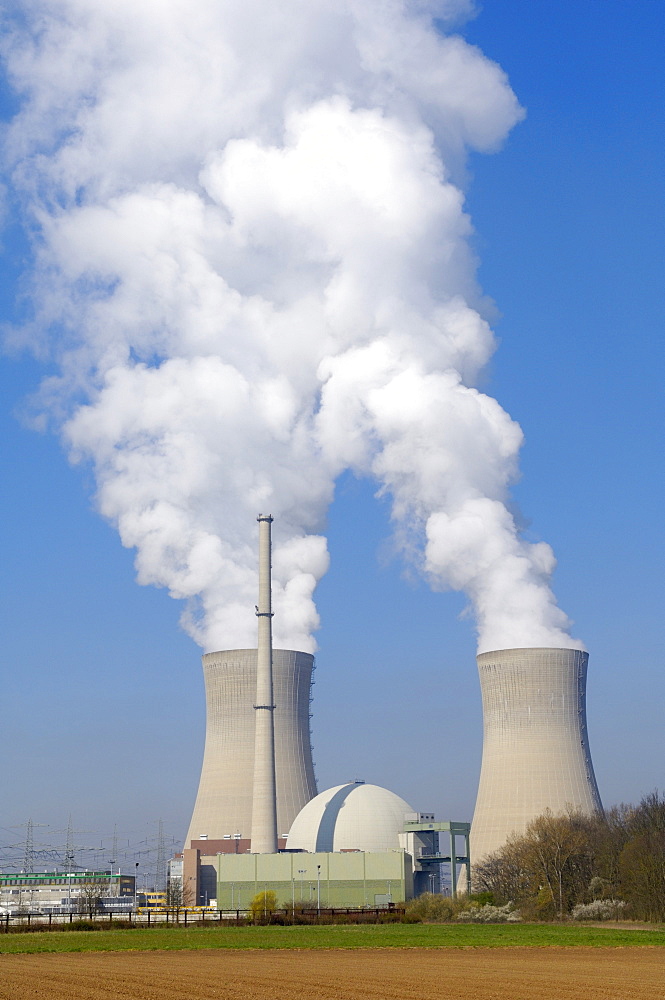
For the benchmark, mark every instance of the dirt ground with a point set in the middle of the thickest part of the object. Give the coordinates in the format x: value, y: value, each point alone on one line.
x: 390, y: 974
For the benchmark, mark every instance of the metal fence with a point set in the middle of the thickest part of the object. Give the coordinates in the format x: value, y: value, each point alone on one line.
x: 190, y: 917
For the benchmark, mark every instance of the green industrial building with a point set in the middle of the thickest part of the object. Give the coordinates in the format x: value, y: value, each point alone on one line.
x: 340, y: 879
x: 354, y: 845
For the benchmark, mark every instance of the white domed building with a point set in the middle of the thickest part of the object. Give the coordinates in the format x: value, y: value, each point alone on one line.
x: 350, y: 817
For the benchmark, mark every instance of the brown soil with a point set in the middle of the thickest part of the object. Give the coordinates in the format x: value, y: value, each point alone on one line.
x: 391, y: 974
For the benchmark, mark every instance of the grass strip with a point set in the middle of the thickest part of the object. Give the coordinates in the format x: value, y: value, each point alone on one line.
x: 352, y: 936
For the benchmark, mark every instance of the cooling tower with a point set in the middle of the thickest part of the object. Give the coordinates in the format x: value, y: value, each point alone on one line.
x: 535, y: 744
x: 224, y: 802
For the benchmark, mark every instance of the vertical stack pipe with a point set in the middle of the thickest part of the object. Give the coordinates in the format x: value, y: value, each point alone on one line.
x: 264, y: 798
x: 535, y: 743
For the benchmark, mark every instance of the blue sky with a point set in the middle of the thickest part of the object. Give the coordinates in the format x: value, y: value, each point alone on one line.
x: 102, y: 692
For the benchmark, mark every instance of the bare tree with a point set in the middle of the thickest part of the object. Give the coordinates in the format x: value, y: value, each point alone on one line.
x: 504, y: 874
x: 545, y: 871
x: 556, y: 851
x: 91, y: 893
x: 642, y: 860
x: 564, y: 861
x: 178, y: 895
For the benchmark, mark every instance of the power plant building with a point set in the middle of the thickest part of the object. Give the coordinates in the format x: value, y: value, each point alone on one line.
x: 257, y: 769
x: 535, y: 743
x: 66, y: 892
x: 326, y: 879
x: 259, y: 822
x: 352, y: 845
x: 223, y: 808
x: 351, y: 817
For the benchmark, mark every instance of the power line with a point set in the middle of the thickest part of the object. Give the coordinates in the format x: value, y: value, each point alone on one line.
x: 160, y: 881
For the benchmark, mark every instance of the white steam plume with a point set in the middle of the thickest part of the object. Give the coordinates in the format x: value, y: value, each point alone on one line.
x: 252, y: 271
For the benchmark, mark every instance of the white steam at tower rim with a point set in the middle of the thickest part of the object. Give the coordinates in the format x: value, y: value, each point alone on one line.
x: 273, y: 286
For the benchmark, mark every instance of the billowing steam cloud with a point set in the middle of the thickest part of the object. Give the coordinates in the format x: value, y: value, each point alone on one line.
x: 252, y: 273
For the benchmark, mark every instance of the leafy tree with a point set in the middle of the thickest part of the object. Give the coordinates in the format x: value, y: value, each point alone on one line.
x: 263, y: 905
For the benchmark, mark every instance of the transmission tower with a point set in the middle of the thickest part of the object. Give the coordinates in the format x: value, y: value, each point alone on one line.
x: 70, y: 860
x: 161, y: 860
x: 71, y: 849
x: 29, y: 845
x: 29, y: 858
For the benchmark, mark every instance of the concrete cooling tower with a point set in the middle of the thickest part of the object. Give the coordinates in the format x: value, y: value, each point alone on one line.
x: 535, y: 744
x: 224, y: 802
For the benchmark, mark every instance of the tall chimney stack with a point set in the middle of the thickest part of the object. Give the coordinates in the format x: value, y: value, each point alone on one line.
x: 264, y: 800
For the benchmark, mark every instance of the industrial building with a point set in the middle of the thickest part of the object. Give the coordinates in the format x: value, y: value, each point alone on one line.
x: 223, y: 808
x: 66, y: 892
x: 258, y: 752
x: 322, y: 879
x: 353, y: 845
x: 258, y: 822
x: 535, y: 743
x: 350, y: 817
x: 257, y: 792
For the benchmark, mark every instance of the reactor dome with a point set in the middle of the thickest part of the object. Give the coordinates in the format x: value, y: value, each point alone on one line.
x: 354, y: 816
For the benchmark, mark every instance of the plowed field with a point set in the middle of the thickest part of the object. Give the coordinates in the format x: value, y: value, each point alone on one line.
x: 390, y: 974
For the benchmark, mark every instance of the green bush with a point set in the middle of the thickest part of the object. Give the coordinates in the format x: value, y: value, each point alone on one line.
x: 482, y: 898
x: 433, y: 908
x: 263, y: 905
